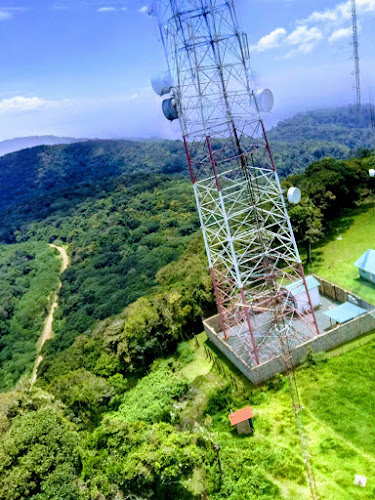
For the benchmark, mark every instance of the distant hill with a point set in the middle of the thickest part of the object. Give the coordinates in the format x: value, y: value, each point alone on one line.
x: 46, y: 169
x: 13, y: 145
x: 296, y: 142
x: 307, y: 137
x: 345, y: 126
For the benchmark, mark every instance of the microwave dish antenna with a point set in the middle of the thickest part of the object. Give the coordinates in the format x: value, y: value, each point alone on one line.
x: 265, y: 100
x: 170, y: 111
x: 294, y: 195
x: 162, y: 84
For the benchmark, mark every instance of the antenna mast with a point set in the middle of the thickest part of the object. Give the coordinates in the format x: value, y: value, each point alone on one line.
x: 356, y: 72
x: 252, y: 253
x: 372, y: 114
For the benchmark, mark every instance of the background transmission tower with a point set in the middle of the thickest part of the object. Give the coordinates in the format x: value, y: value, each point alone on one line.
x: 356, y: 73
x: 253, y: 257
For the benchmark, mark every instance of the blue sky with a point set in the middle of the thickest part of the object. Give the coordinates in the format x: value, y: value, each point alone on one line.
x: 82, y: 67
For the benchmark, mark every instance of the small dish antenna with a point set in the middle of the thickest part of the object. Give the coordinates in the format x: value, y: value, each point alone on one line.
x: 162, y: 84
x: 265, y: 100
x: 294, y: 195
x: 149, y: 10
x: 371, y: 172
x: 170, y: 109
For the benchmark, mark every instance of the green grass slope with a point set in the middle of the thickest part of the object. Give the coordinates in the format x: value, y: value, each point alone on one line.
x: 339, y: 398
x: 334, y: 259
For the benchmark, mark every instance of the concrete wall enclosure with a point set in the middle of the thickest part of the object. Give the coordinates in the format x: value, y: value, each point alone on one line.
x: 326, y: 341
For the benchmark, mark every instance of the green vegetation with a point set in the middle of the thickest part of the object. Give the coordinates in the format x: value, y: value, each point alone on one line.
x: 308, y: 137
x: 148, y: 329
x: 343, y: 125
x: 334, y: 259
x: 126, y: 404
x: 164, y: 444
x: 34, y: 172
x: 29, y: 275
x: 119, y: 233
x: 329, y: 187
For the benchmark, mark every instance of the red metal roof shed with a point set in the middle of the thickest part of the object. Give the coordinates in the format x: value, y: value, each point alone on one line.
x: 241, y: 415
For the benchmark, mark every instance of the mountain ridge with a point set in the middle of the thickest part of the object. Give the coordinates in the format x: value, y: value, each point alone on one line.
x: 18, y: 143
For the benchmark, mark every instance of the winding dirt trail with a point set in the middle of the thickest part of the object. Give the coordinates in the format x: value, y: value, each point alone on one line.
x: 47, y: 330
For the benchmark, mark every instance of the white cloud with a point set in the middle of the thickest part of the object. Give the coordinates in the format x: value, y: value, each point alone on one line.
x: 305, y: 38
x: 4, y: 14
x: 112, y: 9
x: 21, y: 104
x: 271, y: 41
x: 327, y: 24
x: 107, y: 9
x: 341, y: 13
x: 340, y: 33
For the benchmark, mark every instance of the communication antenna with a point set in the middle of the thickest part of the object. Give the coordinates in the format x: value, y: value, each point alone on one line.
x: 356, y: 72
x: 251, y: 249
x: 372, y: 114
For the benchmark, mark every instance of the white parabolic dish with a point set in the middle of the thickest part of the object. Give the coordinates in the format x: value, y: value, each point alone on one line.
x: 162, y: 83
x: 265, y: 100
x: 294, y: 195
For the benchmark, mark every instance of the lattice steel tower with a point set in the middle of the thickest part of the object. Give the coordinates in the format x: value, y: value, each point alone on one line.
x: 356, y: 72
x: 260, y: 286
x: 252, y: 253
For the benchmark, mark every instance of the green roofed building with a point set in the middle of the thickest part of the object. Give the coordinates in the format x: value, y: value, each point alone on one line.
x: 366, y: 266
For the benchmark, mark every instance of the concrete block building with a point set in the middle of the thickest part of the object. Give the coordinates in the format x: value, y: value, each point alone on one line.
x: 300, y: 296
x: 366, y: 266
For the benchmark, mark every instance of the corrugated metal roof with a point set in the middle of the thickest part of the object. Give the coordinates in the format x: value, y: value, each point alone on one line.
x: 367, y: 262
x: 241, y: 415
x: 345, y: 312
x: 298, y: 286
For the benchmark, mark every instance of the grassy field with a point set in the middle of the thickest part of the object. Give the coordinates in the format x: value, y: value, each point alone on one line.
x: 339, y: 396
x: 334, y: 259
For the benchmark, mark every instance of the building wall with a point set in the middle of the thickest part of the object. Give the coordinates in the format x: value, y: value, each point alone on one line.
x: 244, y: 427
x: 302, y: 299
x: 341, y: 295
x: 315, y: 297
x: 367, y: 276
x: 326, y: 341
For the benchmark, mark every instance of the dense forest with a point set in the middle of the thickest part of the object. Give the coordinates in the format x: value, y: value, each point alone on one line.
x: 114, y: 414
x: 297, y: 142
x: 28, y: 275
x: 307, y: 137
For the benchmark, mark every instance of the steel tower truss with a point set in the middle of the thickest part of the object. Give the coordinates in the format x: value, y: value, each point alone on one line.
x: 355, y: 42
x: 252, y: 253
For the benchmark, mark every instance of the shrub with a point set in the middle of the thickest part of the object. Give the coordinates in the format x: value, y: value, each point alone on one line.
x: 186, y: 353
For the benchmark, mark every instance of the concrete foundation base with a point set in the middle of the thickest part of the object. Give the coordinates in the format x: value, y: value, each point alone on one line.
x: 324, y: 342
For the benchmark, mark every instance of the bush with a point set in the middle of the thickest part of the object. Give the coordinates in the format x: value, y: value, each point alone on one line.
x: 185, y: 352
x: 151, y: 400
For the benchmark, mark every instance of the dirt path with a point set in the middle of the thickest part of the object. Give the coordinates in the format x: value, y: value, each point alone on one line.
x: 47, y: 330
